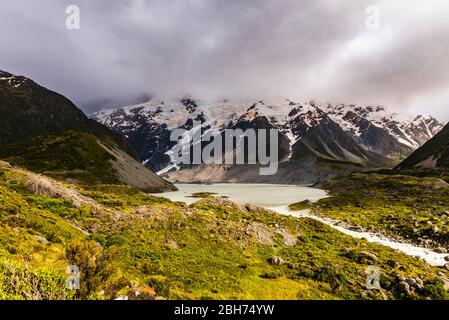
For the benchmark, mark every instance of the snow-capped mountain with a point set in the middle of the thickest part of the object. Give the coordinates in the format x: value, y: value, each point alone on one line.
x: 360, y: 135
x: 433, y: 154
x: 407, y: 129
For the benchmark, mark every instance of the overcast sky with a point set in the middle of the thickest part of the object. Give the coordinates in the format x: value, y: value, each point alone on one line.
x: 303, y: 49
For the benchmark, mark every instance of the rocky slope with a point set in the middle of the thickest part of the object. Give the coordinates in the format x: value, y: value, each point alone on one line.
x: 322, y: 139
x: 44, y: 131
x: 433, y: 154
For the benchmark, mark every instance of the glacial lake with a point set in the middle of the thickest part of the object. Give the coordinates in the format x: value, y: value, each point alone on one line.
x: 277, y: 197
x: 266, y: 195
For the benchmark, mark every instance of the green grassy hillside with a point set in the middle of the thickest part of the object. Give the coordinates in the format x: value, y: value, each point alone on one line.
x: 411, y: 208
x: 73, y: 155
x: 126, y: 242
x: 45, y: 132
x: 81, y: 158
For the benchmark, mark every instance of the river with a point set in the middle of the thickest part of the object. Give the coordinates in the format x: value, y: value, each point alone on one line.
x: 277, y: 198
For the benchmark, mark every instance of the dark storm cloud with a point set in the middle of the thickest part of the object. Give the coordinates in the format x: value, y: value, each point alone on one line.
x: 305, y: 49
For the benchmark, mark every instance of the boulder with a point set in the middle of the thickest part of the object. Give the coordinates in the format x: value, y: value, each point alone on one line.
x: 356, y: 229
x: 368, y: 256
x: 404, y: 288
x: 445, y: 280
x: 171, y: 243
x: 41, y: 239
x: 414, y: 284
x: 276, y: 260
x: 419, y: 284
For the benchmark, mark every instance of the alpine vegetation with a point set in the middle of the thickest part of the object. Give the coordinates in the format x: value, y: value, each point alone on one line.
x: 239, y: 151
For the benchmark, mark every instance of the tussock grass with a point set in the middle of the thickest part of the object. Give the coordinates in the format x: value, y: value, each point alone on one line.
x: 4, y: 164
x: 43, y: 186
x: 20, y: 281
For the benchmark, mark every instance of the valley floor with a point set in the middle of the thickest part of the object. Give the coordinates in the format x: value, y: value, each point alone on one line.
x: 128, y: 243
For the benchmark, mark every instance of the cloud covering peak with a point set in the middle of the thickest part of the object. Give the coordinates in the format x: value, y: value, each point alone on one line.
x: 303, y: 49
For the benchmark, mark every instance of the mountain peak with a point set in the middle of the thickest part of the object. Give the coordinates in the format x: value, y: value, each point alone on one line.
x: 13, y: 81
x: 434, y: 153
x: 41, y: 129
x: 373, y: 128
